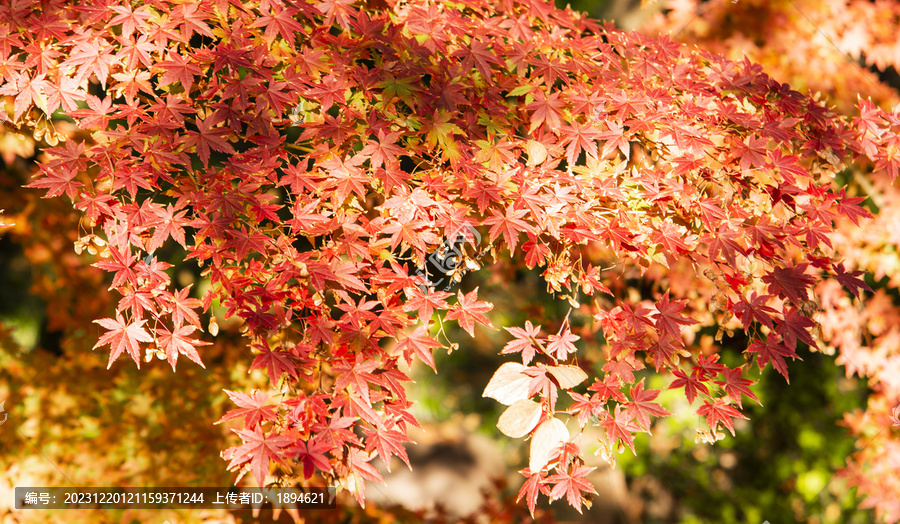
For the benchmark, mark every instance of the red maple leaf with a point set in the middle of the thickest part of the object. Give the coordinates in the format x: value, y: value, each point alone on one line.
x: 58, y: 181
x: 123, y: 336
x: 533, y: 486
x: 259, y: 450
x: 178, y: 342
x: 253, y: 408
x: 790, y: 282
x: 420, y: 344
x: 562, y: 343
x: 752, y: 153
x: 620, y: 427
x: 546, y: 110
x: 425, y: 303
x: 735, y: 385
x: 510, y: 224
x: 850, y: 207
x: 387, y: 442
x: 359, y: 374
x: 795, y: 327
x: 668, y: 318
x: 92, y: 56
x: 571, y: 484
x: 178, y: 69
x: 276, y: 363
x: 772, y: 349
x: 608, y: 388
x: 468, y: 310
x: 526, y: 341
x: 208, y: 137
x: 718, y: 411
x: 585, y: 406
x: 755, y: 309
x: 384, y: 150
x: 183, y: 308
x: 850, y: 280
x: 360, y: 467
x: 692, y: 384
x: 641, y: 407
x: 311, y: 454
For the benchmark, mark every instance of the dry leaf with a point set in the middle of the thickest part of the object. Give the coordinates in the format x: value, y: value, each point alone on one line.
x: 519, y: 419
x: 547, y: 438
x: 508, y: 384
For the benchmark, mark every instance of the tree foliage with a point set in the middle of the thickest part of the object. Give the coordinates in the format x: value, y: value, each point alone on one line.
x: 312, y: 158
x: 833, y: 38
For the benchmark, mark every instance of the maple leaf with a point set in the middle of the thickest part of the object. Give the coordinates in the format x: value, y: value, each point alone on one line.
x: 481, y: 54
x: 276, y: 363
x: 641, y: 407
x: 692, y: 385
x: 795, y: 326
x: 361, y: 469
x: 585, y: 406
x: 169, y: 224
x: 850, y: 207
x: 129, y: 18
x: 620, y: 427
x: 562, y: 343
x: 787, y: 165
x: 772, y: 349
x: 425, y: 303
x: 419, y: 343
x: 608, y: 388
x: 191, y: 16
x: 178, y: 69
x: 57, y: 182
x: 534, y: 484
x: 28, y: 91
x: 440, y: 130
x: 735, y: 386
x: 546, y: 110
x: 468, y: 310
x: 259, y: 450
x: 311, y: 454
x: 718, y: 411
x: 526, y: 341
x: 358, y: 374
x: 752, y: 153
x: 387, y: 443
x: 253, y: 408
x: 755, y: 309
x: 571, y: 484
x: 208, y: 137
x: 122, y: 336
x: 93, y: 56
x: 177, y: 342
x: 384, y: 150
x: 510, y: 224
x: 790, y: 282
x: 668, y: 318
x: 851, y: 280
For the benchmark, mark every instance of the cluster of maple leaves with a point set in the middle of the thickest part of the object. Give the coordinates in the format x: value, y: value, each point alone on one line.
x: 546, y: 131
x: 863, y: 333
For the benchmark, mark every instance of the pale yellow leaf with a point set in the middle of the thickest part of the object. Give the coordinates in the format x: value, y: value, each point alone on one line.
x: 547, y: 438
x: 519, y: 419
